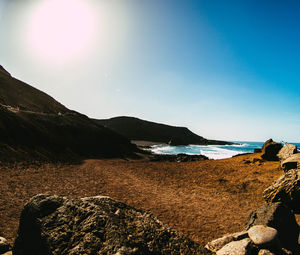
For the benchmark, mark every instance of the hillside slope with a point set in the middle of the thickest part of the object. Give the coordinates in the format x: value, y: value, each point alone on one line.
x: 16, y: 93
x: 137, y: 129
x: 33, y: 125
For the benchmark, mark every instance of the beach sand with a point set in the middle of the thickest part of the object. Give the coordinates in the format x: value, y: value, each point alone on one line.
x: 204, y: 199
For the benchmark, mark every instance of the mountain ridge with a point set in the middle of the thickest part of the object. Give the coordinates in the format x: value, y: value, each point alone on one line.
x: 137, y: 129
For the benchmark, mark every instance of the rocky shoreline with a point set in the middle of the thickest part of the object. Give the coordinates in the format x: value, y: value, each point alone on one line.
x: 272, y: 228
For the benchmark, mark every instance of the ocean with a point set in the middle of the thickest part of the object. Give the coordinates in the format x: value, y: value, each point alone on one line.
x: 210, y: 151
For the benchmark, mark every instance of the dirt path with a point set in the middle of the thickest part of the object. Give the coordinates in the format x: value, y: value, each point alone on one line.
x: 202, y: 199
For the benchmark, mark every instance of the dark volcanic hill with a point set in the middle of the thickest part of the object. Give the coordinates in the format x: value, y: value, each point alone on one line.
x: 33, y: 125
x: 137, y: 129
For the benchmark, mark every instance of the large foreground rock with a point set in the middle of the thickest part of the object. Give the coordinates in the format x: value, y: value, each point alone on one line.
x: 286, y: 189
x: 281, y: 218
x: 270, y: 150
x: 97, y: 225
x: 287, y: 151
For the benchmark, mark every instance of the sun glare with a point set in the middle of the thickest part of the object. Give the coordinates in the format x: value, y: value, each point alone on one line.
x: 61, y: 31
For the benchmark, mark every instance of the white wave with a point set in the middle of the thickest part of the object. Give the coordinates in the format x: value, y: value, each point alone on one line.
x: 219, y: 153
x: 211, y: 151
x: 235, y: 145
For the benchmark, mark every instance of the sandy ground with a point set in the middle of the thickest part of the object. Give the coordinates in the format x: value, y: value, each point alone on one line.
x: 204, y: 199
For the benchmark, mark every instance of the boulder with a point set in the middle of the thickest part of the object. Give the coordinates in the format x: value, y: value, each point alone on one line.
x: 270, y: 150
x: 263, y: 236
x: 4, y: 245
x: 292, y: 162
x: 242, y: 247
x: 286, y: 189
x: 287, y: 151
x: 280, y: 217
x: 217, y: 244
x: 96, y: 225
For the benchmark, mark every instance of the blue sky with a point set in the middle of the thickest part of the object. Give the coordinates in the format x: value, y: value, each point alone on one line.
x: 225, y: 69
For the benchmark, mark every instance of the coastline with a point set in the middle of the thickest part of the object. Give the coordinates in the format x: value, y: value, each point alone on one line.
x: 210, y: 151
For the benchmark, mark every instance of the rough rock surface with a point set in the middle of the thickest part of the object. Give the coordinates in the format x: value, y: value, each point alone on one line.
x: 4, y: 245
x: 217, y: 244
x: 286, y: 189
x: 242, y: 247
x: 292, y: 162
x: 287, y: 151
x: 281, y: 218
x: 270, y: 150
x: 96, y: 225
x: 265, y: 252
x: 262, y: 235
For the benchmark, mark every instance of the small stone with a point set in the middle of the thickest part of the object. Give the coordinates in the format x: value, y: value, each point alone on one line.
x: 217, y: 244
x: 265, y: 252
x: 4, y: 245
x: 242, y: 247
x: 263, y: 235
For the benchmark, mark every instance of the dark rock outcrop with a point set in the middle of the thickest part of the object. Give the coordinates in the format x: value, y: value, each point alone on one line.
x: 281, y: 218
x: 96, y: 225
x: 286, y: 151
x: 177, y: 142
x: 178, y: 157
x: 270, y: 150
x: 286, y: 189
x: 137, y: 129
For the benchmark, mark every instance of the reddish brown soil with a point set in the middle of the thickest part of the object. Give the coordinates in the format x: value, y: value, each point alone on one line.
x: 203, y: 199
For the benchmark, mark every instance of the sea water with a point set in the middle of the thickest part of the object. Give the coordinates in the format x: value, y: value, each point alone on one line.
x: 210, y: 151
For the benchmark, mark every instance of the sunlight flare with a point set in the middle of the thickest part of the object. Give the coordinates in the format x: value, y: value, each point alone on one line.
x: 62, y: 30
